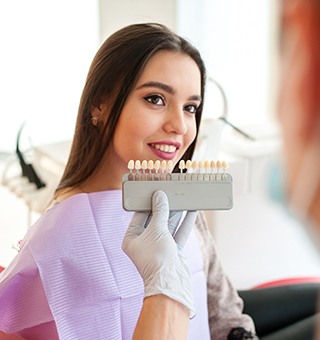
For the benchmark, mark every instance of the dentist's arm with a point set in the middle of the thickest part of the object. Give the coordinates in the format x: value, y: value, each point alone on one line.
x: 155, y: 249
x: 162, y: 318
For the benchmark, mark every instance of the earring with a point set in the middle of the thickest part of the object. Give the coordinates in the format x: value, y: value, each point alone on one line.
x: 94, y: 121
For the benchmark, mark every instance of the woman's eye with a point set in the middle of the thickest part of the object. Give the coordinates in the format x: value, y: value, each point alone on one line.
x: 191, y: 108
x: 155, y: 100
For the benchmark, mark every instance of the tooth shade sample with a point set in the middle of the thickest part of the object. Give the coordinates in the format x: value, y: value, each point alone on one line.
x: 131, y: 164
x: 137, y: 165
x: 144, y: 165
x: 157, y: 165
x: 188, y: 164
x: 163, y: 165
x: 182, y: 164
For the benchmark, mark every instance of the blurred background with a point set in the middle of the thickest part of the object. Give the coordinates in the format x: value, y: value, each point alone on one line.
x: 47, y: 48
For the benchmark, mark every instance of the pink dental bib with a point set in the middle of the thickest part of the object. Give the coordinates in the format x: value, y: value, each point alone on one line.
x: 71, y: 279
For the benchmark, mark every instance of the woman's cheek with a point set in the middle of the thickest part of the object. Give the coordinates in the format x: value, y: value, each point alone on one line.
x: 193, y: 132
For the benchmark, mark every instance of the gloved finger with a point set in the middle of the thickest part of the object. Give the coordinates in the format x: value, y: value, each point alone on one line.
x: 135, y: 229
x: 183, y: 232
x: 160, y: 211
x: 173, y: 222
x: 133, y: 232
x: 140, y: 219
x: 136, y: 226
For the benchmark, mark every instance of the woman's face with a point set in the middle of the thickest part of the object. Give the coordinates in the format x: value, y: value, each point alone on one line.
x: 158, y: 120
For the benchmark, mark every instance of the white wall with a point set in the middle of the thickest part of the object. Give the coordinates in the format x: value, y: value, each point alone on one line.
x: 237, y: 40
x: 257, y: 240
x: 117, y: 14
x: 46, y: 50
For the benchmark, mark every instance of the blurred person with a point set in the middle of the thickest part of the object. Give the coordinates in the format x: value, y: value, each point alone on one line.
x: 290, y: 311
x: 299, y: 107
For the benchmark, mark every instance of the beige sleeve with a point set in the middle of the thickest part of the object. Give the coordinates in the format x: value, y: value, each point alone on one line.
x: 224, y: 304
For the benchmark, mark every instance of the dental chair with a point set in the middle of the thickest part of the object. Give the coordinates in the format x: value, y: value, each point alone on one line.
x: 284, y: 309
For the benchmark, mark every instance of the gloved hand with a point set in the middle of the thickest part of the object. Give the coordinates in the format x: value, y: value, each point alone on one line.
x: 155, y: 250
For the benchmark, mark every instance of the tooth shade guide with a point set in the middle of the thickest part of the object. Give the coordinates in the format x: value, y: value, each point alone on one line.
x: 162, y: 170
x: 202, y: 188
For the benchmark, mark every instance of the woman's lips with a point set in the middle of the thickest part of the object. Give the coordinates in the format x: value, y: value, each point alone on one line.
x: 164, y: 150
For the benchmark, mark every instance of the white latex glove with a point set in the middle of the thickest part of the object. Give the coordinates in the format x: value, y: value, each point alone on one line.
x: 155, y: 245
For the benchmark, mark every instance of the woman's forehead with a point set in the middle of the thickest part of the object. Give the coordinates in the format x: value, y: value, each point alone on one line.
x: 175, y: 69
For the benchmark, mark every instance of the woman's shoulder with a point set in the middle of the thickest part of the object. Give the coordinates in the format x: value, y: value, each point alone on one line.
x: 63, y: 215
x: 62, y: 195
x: 73, y: 212
x: 77, y: 195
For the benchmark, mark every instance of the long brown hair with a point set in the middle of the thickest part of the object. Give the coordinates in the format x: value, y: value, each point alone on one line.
x: 113, y: 74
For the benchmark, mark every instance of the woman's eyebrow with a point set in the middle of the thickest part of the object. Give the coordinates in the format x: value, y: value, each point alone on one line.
x: 169, y: 89
x: 161, y: 86
x: 195, y: 97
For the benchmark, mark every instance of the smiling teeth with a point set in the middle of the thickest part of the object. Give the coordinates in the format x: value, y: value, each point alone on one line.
x: 164, y: 147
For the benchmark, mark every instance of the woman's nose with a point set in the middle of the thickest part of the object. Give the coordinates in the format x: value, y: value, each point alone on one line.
x: 175, y: 122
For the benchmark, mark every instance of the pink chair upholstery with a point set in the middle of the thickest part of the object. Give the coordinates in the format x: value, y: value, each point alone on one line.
x: 288, y: 281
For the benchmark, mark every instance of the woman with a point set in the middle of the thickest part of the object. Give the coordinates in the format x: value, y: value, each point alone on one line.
x: 143, y: 99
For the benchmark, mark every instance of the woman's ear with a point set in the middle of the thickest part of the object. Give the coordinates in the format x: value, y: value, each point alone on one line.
x: 98, y: 114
